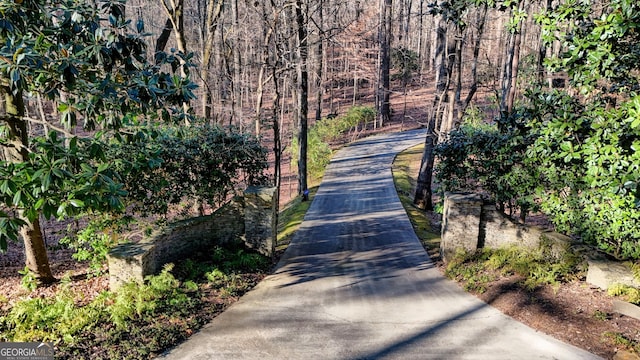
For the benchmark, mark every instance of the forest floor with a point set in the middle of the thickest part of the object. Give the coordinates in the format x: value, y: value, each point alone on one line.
x: 574, y: 312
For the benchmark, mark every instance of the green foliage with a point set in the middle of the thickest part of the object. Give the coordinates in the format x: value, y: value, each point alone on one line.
x: 164, y: 166
x: 57, y: 319
x: 490, y: 157
x: 575, y: 156
x: 62, y: 321
x: 238, y: 260
x: 602, y: 48
x: 81, y: 57
x: 220, y: 268
x: 601, y: 315
x: 318, y: 153
x: 619, y: 339
x: 59, y: 180
x: 101, y: 67
x: 536, y: 266
x: 330, y: 129
x: 468, y: 267
x: 93, y: 243
x: 589, y: 169
x: 588, y: 148
x: 29, y: 280
x: 245, y: 261
x: 629, y: 293
x: 161, y: 292
x: 577, y: 161
x: 216, y: 277
x: 137, y: 320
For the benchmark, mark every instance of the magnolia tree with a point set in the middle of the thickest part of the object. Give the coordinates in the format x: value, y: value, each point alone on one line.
x: 79, y: 56
x: 573, y: 155
x: 588, y: 146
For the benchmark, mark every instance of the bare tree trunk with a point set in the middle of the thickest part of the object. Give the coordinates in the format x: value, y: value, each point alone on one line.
x: 422, y: 49
x: 510, y: 78
x: 277, y: 138
x: 214, y: 9
x: 406, y: 21
x: 447, y: 122
x: 384, y: 89
x: 401, y: 9
x: 267, y: 34
x: 423, y: 196
x: 236, y: 87
x: 456, y: 112
x: 303, y: 96
x: 481, y: 21
x: 14, y: 149
x: 319, y: 60
x: 174, y: 9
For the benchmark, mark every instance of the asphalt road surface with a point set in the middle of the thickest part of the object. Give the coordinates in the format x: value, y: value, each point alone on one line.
x: 355, y: 283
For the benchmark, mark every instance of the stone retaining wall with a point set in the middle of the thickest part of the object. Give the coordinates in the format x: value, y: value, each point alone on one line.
x: 468, y: 223
x: 248, y: 220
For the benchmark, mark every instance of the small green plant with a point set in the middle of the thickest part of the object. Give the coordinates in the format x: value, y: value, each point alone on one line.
x: 191, y: 269
x: 242, y: 260
x: 635, y: 269
x: 216, y: 277
x: 406, y: 62
x: 138, y: 319
x: 619, y: 339
x: 469, y: 268
x: 91, y: 244
x: 601, y: 315
x: 629, y: 293
x: 235, y: 260
x: 536, y: 266
x: 29, y: 280
x: 135, y: 301
x: 159, y: 167
x: 46, y: 319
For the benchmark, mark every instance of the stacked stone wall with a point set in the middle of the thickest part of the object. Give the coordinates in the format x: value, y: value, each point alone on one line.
x: 248, y: 220
x: 469, y: 223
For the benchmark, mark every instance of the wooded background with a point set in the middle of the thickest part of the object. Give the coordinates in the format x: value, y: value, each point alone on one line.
x: 265, y: 65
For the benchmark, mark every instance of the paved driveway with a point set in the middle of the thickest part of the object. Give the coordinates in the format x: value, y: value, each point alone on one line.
x: 355, y: 283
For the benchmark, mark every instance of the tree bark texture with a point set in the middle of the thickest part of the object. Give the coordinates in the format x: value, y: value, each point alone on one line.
x: 303, y: 94
x: 384, y: 89
x: 423, y: 196
x: 15, y: 150
x: 213, y: 12
x: 319, y: 60
x: 509, y: 81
